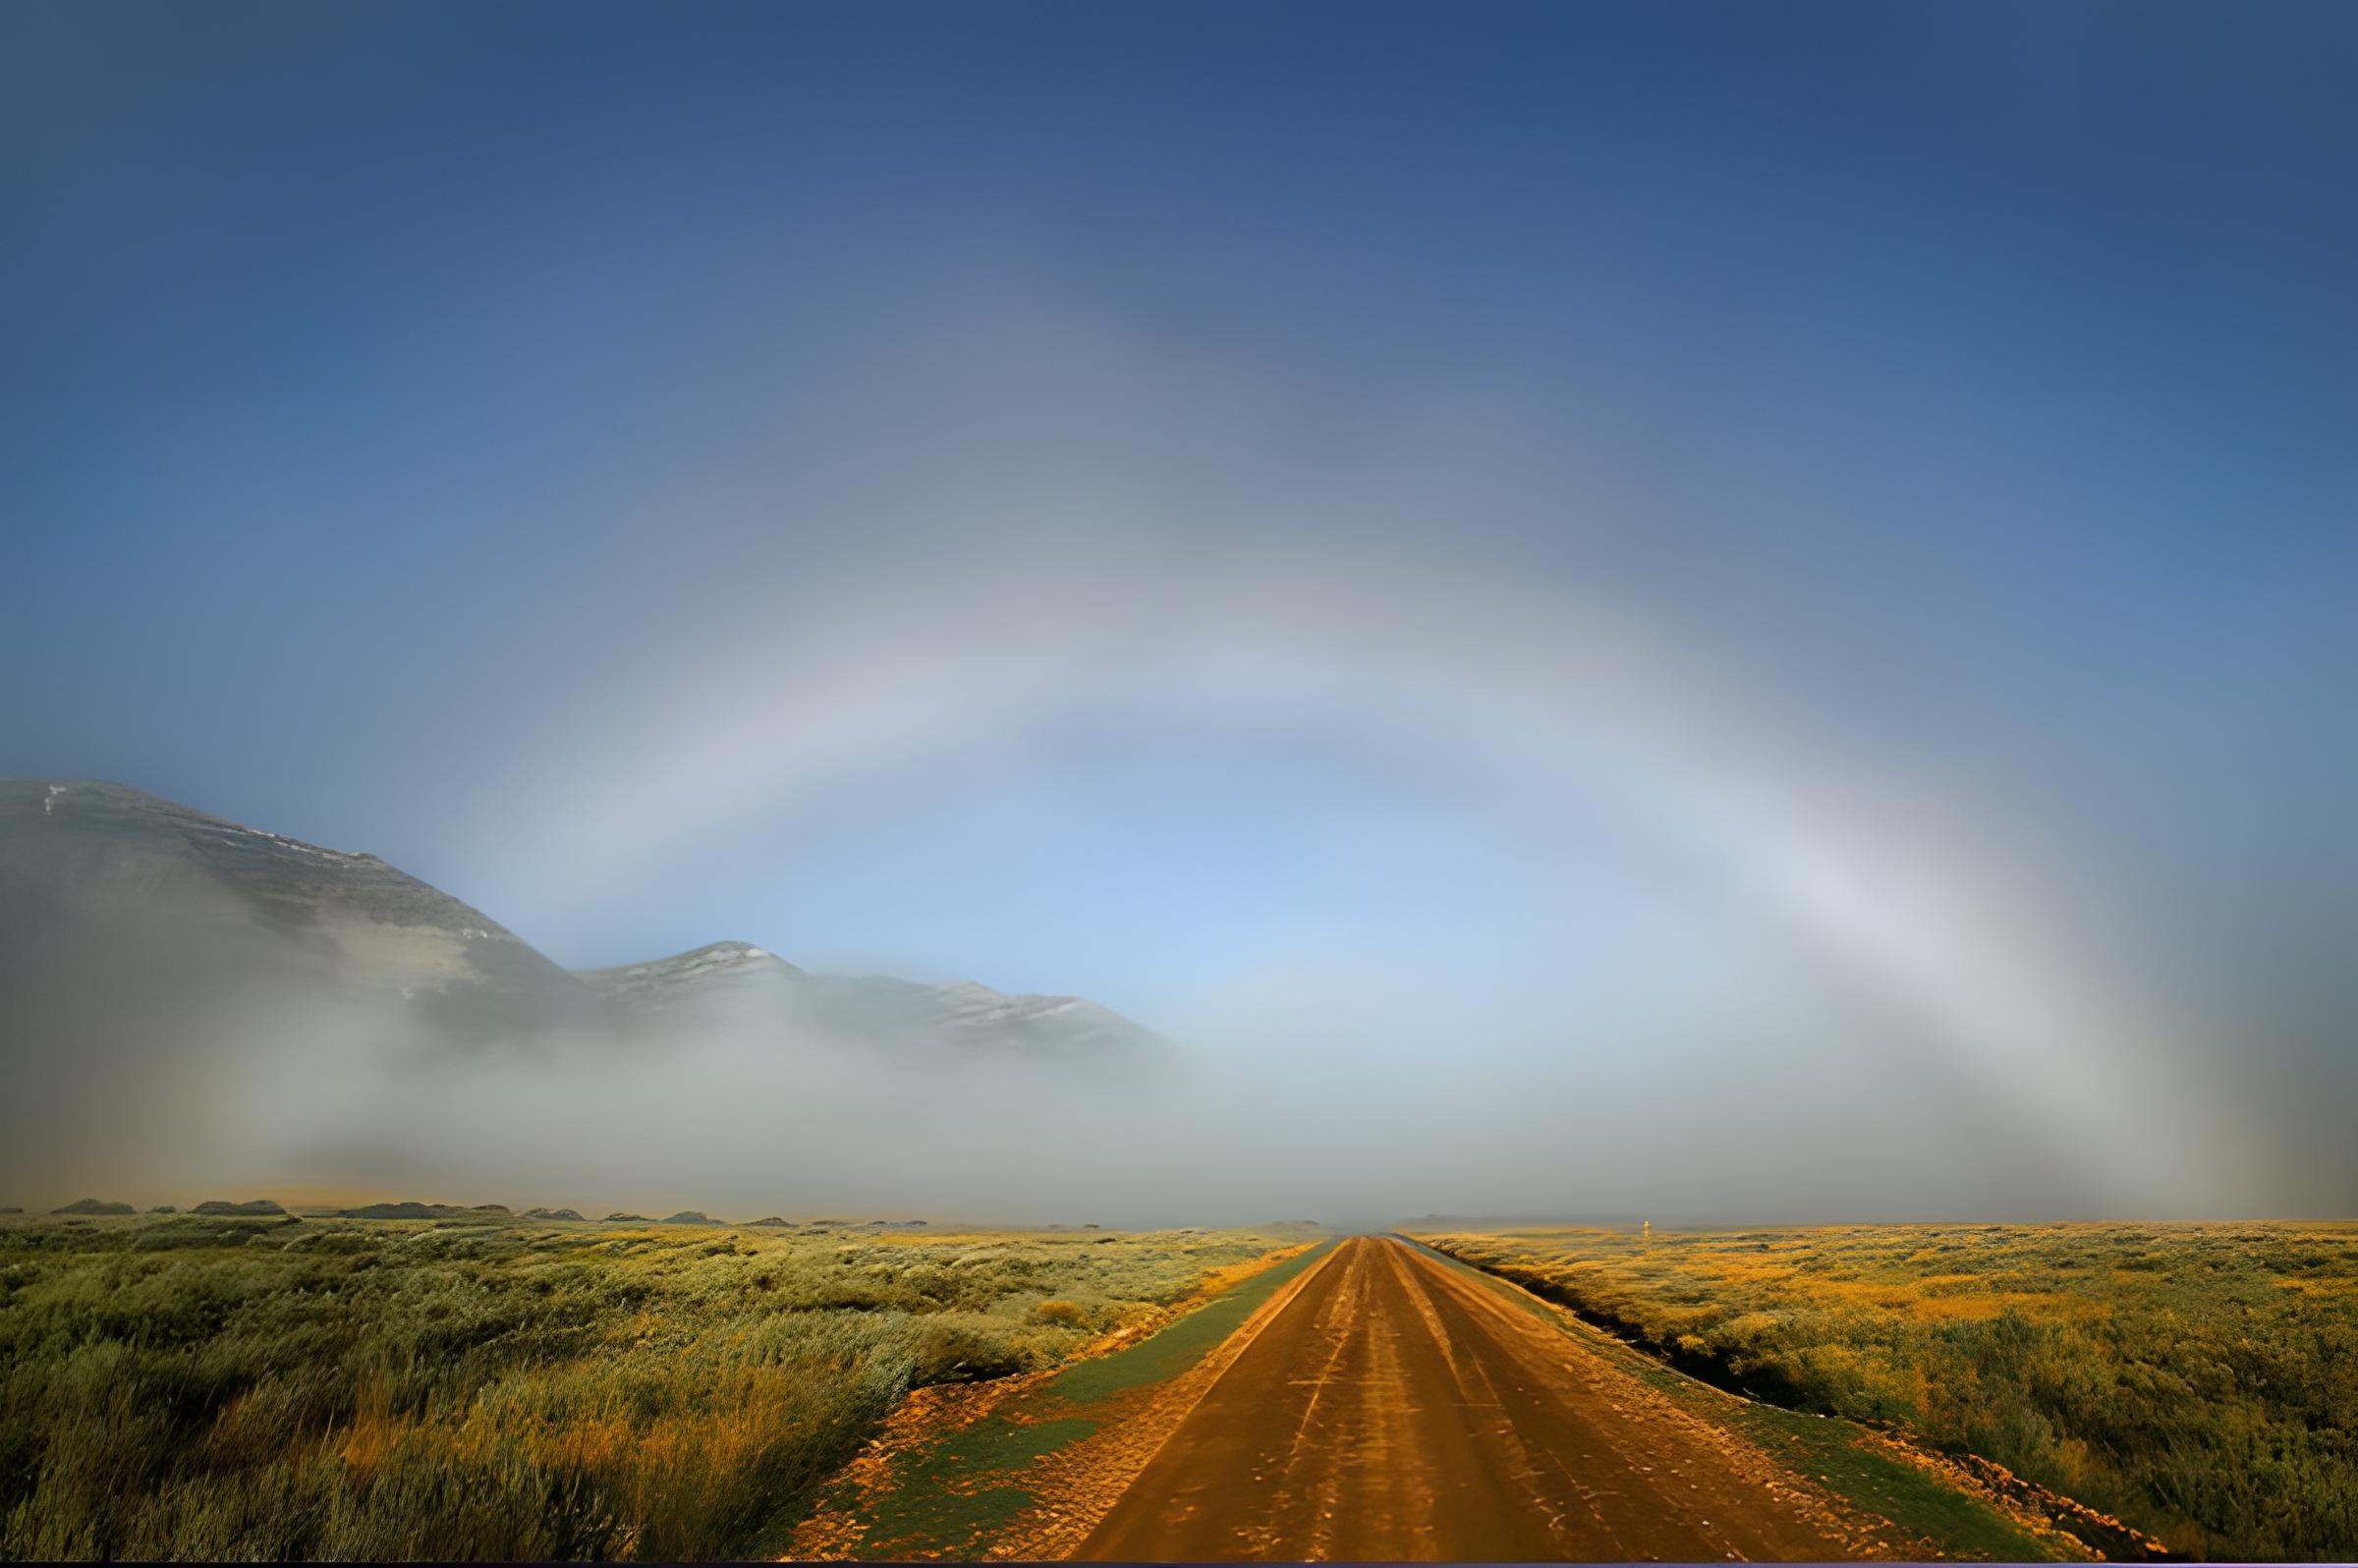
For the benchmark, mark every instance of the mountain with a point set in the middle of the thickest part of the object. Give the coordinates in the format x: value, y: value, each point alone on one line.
x: 718, y: 971
x: 136, y: 931
x: 744, y: 985
x: 99, y: 876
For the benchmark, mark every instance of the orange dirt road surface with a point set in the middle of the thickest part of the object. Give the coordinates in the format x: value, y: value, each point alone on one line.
x: 1392, y: 1408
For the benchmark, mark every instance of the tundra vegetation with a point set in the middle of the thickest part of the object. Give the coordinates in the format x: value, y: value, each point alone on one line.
x: 2197, y: 1381
x: 247, y: 1387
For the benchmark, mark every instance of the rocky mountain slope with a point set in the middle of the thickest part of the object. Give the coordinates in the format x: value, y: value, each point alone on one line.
x: 744, y: 983
x: 106, y: 891
x: 96, y: 876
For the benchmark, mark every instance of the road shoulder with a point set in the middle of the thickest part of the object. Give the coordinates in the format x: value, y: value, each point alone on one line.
x: 1024, y: 1467
x: 1920, y: 1508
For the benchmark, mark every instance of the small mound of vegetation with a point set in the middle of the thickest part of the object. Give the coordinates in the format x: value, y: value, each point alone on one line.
x: 416, y: 1210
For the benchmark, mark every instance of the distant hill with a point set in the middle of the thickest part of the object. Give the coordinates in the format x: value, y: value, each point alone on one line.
x: 412, y: 1210
x: 746, y: 986
x: 694, y: 977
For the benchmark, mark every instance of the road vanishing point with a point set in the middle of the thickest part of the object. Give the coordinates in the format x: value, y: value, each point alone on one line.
x: 1387, y: 1406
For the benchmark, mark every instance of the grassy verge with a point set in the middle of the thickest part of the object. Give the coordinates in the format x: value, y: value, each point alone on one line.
x: 282, y: 1387
x: 1832, y: 1452
x: 952, y: 1494
x: 2199, y: 1382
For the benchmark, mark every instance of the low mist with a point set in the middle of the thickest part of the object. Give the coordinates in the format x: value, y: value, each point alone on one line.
x: 224, y: 1072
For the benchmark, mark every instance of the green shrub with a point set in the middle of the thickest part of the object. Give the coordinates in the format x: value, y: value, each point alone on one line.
x: 218, y: 1386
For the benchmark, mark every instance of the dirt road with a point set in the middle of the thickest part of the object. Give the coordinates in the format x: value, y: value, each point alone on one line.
x: 1393, y: 1408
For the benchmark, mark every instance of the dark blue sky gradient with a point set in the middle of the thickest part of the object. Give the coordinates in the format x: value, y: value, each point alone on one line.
x: 1981, y: 381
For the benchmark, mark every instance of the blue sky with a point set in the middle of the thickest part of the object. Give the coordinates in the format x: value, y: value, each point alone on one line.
x: 1540, y: 513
